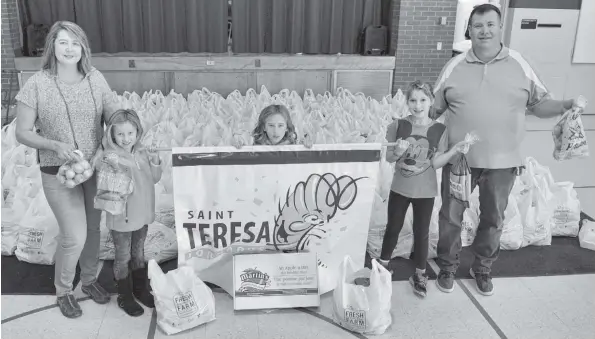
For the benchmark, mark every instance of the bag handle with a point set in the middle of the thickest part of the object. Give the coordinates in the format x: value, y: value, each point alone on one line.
x: 154, y: 271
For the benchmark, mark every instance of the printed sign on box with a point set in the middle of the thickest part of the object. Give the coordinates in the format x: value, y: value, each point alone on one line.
x: 266, y: 199
x: 278, y: 280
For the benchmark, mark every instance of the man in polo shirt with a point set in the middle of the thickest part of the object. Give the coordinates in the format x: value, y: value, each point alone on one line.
x: 486, y: 90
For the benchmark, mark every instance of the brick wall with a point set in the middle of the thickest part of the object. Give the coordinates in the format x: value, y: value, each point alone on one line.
x: 10, y: 43
x: 416, y: 30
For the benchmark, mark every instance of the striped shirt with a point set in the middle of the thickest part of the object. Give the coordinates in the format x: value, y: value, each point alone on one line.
x: 490, y: 98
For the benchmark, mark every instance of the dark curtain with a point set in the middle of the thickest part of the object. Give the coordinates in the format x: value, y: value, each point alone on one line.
x: 303, y: 26
x: 152, y: 26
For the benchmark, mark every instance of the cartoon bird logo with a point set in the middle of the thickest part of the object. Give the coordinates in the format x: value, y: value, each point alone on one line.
x: 311, y: 205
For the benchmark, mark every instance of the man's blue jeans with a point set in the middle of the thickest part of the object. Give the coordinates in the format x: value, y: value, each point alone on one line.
x: 495, y: 186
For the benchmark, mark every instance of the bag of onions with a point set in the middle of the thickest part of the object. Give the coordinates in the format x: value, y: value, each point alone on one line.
x: 76, y: 171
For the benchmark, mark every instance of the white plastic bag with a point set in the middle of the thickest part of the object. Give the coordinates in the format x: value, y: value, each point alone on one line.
x: 567, y: 210
x: 182, y: 300
x: 570, y: 139
x: 469, y: 225
x: 37, y: 236
x: 536, y: 219
x: 164, y: 207
x: 533, y: 193
x: 161, y: 243
x: 378, y: 229
x: 107, y: 249
x: 363, y: 309
x: 10, y: 235
x: 586, y: 236
x: 512, y: 231
x: 11, y: 219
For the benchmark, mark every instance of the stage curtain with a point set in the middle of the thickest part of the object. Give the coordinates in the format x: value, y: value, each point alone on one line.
x: 152, y: 26
x: 303, y: 26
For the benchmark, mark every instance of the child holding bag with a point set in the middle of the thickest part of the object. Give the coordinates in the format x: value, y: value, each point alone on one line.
x: 421, y: 149
x: 127, y: 173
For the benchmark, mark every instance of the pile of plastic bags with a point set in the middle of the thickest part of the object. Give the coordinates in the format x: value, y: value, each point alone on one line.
x: 203, y: 118
x: 538, y: 208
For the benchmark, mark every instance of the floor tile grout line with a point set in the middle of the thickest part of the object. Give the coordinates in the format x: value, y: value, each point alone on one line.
x: 36, y: 310
x: 326, y: 319
x: 309, y: 312
x: 482, y: 310
x: 152, y: 324
x: 100, y: 325
x: 474, y: 301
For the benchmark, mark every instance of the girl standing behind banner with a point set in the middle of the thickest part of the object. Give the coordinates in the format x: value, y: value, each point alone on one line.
x: 420, y: 150
x: 127, y: 173
x: 274, y: 127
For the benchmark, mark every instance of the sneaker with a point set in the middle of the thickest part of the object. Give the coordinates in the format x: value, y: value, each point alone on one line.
x: 96, y: 292
x: 69, y: 307
x: 419, y: 283
x: 483, y: 282
x: 446, y: 281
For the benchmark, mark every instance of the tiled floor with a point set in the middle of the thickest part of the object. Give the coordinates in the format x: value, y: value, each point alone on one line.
x: 544, y: 307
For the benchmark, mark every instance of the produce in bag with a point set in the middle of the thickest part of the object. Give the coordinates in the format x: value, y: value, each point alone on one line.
x: 182, y: 300
x: 586, y: 236
x: 360, y: 306
x: 460, y: 175
x: 37, y: 236
x: 114, y: 185
x: 460, y: 181
x: 570, y: 140
x: 567, y: 210
x: 75, y: 172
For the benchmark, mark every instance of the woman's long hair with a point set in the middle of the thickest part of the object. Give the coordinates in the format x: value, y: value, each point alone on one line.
x: 48, y: 59
x: 259, y: 134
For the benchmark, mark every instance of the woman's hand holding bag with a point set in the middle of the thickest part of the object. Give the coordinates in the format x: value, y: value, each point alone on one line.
x: 75, y: 171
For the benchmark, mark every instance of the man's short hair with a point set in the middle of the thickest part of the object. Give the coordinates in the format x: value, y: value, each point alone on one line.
x: 481, y: 9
